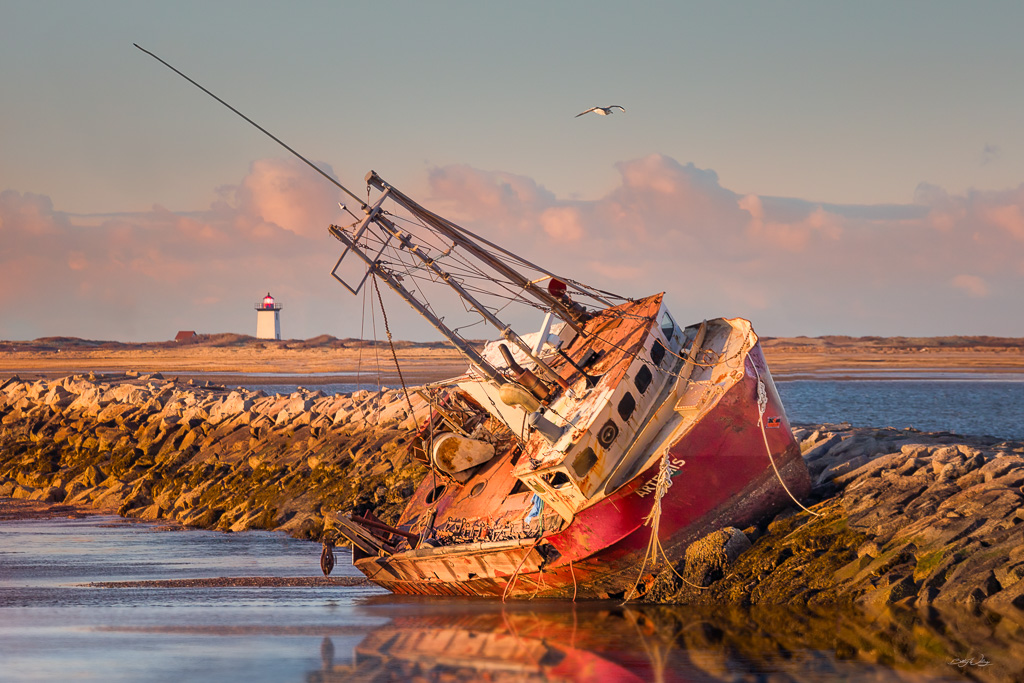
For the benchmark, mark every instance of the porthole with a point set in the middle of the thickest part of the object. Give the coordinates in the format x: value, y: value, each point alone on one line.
x: 643, y: 379
x: 658, y: 353
x: 584, y: 462
x: 475, y: 491
x: 435, y: 494
x: 608, y: 432
x: 626, y: 406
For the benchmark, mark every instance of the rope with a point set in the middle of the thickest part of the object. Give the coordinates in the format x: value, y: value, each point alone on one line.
x: 391, y: 343
x: 762, y: 404
x: 359, y: 358
x: 405, y: 390
x: 515, y: 574
x: 573, y: 572
x: 376, y: 359
x: 653, y: 520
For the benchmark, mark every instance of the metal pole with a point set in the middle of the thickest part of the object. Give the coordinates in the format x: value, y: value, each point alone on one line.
x: 460, y: 237
x: 475, y: 358
x: 506, y: 332
x: 263, y: 130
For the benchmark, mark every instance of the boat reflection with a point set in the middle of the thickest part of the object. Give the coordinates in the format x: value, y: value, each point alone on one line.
x: 475, y: 640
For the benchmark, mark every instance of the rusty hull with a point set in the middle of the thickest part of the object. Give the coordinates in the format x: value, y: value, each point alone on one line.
x: 721, y: 476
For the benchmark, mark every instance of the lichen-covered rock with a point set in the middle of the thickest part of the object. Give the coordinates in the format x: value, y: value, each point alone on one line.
x: 204, y: 456
x: 898, y: 517
x: 708, y: 558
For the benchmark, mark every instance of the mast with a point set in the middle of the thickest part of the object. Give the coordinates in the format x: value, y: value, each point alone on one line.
x: 376, y: 215
x: 458, y: 235
x: 507, y: 332
x: 462, y: 237
x: 374, y: 268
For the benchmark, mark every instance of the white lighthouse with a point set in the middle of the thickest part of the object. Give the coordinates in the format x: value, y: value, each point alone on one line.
x: 268, y: 318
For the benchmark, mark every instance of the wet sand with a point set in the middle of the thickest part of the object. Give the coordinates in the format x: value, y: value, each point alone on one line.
x: 238, y: 582
x: 12, y: 509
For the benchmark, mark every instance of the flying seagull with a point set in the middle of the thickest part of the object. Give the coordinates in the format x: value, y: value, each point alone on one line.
x: 601, y: 111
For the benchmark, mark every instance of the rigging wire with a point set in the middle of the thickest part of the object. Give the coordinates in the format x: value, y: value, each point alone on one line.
x: 376, y: 353
x: 362, y: 343
x: 391, y: 343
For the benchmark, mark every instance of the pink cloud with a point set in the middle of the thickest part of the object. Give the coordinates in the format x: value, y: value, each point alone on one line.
x: 144, y: 275
x: 972, y: 284
x: 791, y: 265
x: 562, y: 223
x: 848, y: 269
x: 289, y: 194
x: 1008, y: 217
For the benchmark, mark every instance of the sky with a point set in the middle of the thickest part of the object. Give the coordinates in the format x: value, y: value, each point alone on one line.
x: 817, y: 168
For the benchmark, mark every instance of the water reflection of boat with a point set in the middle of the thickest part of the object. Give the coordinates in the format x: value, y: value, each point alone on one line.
x: 453, y: 641
x: 497, y: 646
x: 475, y: 649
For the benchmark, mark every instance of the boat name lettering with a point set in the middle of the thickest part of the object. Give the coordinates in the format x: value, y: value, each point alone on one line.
x: 674, y: 465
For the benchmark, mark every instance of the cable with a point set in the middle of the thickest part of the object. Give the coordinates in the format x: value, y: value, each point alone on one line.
x: 762, y: 404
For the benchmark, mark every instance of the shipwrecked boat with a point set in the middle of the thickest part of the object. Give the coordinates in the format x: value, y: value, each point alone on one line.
x: 571, y: 461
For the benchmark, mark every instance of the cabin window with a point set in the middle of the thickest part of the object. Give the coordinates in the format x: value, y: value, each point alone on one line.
x: 668, y: 325
x: 658, y: 353
x: 535, y: 485
x: 608, y: 432
x: 626, y: 406
x: 475, y: 491
x: 435, y: 494
x: 643, y: 379
x: 584, y: 462
x: 557, y: 480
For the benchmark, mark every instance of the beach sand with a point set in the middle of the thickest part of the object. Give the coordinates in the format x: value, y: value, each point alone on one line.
x: 234, y: 359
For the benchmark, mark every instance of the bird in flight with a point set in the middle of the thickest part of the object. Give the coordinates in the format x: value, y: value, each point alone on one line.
x: 601, y: 111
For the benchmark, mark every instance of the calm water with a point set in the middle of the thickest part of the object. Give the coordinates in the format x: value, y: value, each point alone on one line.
x: 54, y: 626
x: 991, y: 407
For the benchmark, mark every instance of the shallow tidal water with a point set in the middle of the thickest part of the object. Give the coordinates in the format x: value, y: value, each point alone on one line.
x: 988, y: 405
x: 57, y: 625
x: 970, y: 404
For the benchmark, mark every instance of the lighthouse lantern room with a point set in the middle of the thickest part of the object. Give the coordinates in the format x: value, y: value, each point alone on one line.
x: 268, y: 318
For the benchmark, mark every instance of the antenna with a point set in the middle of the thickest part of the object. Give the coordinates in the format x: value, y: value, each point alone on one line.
x: 258, y: 127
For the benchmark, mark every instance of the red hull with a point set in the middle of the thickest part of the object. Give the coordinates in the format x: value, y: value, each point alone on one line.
x: 723, y: 476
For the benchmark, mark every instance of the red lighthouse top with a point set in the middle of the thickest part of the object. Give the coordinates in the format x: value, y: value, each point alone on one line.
x: 268, y: 304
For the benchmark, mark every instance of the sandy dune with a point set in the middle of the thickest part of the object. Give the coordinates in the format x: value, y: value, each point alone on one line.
x: 221, y: 358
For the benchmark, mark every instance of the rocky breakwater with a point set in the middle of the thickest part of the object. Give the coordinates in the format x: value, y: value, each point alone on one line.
x: 206, y: 456
x: 897, y: 518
